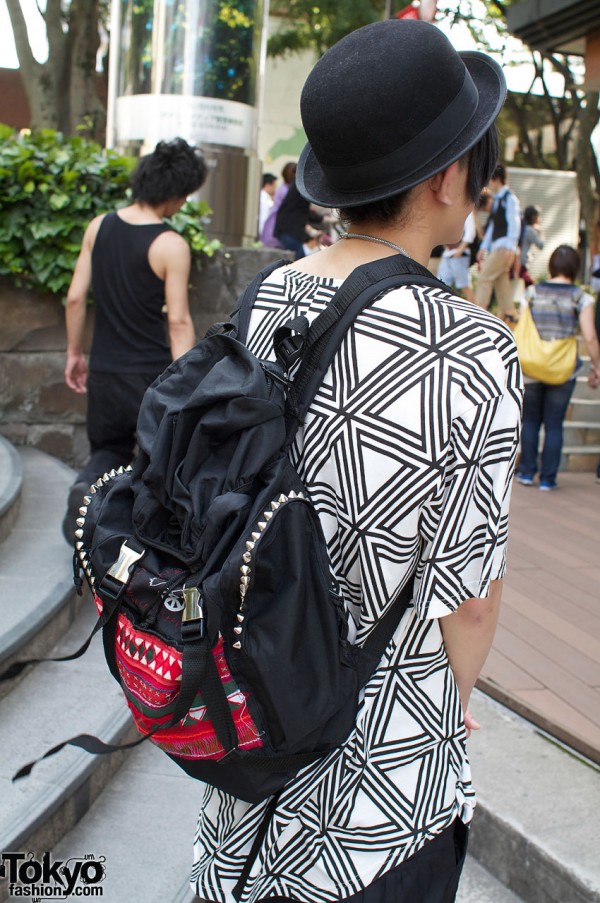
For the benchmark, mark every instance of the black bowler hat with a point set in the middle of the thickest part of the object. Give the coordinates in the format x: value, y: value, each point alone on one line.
x: 387, y: 107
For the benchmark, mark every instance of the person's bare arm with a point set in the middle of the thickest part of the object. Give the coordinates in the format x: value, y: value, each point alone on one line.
x: 468, y: 634
x: 75, y: 309
x: 588, y: 331
x: 170, y: 256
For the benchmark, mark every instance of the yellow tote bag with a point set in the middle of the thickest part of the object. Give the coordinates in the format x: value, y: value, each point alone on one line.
x: 551, y: 361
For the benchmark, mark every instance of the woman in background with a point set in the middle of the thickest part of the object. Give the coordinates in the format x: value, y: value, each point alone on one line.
x: 559, y: 308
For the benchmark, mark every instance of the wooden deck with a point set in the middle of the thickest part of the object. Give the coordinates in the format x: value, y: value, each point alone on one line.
x: 545, y: 663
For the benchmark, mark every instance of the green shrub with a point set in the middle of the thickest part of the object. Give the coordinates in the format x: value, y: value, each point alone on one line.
x: 50, y: 188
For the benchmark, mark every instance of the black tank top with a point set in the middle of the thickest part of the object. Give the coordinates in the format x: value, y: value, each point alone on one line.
x: 130, y: 332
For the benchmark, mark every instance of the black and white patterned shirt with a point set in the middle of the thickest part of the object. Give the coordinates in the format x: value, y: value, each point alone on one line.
x: 408, y: 450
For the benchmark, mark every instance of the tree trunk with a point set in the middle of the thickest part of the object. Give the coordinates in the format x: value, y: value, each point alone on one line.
x: 38, y: 82
x: 62, y: 91
x: 586, y: 164
x: 87, y: 114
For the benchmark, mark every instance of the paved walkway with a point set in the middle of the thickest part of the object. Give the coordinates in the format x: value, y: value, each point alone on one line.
x: 545, y: 663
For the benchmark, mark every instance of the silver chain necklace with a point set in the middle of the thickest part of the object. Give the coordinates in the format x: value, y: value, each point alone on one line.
x: 379, y: 241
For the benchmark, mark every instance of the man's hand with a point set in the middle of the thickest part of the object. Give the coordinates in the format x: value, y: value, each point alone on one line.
x: 76, y: 373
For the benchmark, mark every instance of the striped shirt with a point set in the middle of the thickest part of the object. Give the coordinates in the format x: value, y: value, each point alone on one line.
x: 555, y: 308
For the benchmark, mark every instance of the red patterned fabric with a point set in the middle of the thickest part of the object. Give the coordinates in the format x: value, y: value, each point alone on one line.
x: 150, y: 673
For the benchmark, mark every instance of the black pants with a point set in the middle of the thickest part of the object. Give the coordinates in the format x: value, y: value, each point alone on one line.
x: 430, y: 876
x: 113, y: 403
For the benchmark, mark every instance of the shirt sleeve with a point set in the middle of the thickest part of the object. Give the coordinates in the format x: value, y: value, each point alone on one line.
x: 470, y: 230
x: 535, y: 237
x: 585, y: 300
x: 465, y: 530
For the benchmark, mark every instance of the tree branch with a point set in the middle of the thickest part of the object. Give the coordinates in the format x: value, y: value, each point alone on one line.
x: 27, y: 61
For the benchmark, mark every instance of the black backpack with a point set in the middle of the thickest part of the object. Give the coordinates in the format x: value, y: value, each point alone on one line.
x: 221, y: 618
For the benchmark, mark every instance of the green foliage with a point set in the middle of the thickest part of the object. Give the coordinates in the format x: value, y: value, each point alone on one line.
x: 319, y: 24
x: 50, y: 189
x: 189, y: 223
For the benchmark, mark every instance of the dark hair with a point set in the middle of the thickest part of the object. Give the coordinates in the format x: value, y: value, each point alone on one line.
x: 288, y: 173
x: 564, y: 261
x: 480, y: 160
x: 531, y: 214
x: 173, y: 170
x: 268, y: 179
x: 499, y: 173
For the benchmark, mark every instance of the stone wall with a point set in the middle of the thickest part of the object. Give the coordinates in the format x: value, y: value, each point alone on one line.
x: 36, y: 407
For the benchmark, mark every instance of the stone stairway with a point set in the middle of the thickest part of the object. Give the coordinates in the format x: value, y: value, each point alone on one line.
x: 40, y: 615
x: 132, y: 816
x: 581, y: 448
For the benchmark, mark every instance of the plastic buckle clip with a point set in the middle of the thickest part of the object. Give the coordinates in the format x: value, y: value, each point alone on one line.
x: 117, y: 577
x: 193, y: 622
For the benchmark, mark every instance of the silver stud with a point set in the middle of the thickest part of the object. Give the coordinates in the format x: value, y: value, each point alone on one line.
x: 120, y: 470
x: 83, y: 510
x: 243, y: 590
x: 82, y: 555
x: 98, y: 483
x: 249, y: 545
x: 261, y: 525
x: 93, y: 489
x: 240, y: 617
x: 275, y: 505
x: 247, y: 556
x: 292, y: 495
x: 87, y: 499
x: 113, y: 473
x: 79, y: 545
x: 268, y: 515
x: 301, y: 495
x: 245, y: 570
x: 80, y: 521
x: 79, y: 534
x: 245, y: 581
x: 105, y: 478
x: 282, y: 498
x: 237, y: 630
x: 237, y: 645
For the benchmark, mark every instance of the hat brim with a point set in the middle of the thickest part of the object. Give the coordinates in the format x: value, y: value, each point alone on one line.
x: 491, y: 85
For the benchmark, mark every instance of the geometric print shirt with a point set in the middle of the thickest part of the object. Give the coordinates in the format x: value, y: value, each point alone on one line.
x: 408, y: 451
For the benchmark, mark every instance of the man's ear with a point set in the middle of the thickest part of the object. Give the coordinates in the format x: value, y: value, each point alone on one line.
x: 443, y: 184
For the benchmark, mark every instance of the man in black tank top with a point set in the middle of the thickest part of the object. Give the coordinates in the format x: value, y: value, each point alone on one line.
x: 136, y: 266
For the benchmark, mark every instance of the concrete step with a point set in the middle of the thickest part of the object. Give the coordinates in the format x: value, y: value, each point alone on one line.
x: 584, y: 410
x: 581, y: 434
x: 37, y: 596
x: 537, y: 822
x: 52, y: 703
x: 41, y: 616
x: 143, y: 823
x: 583, y: 390
x: 580, y: 458
x: 11, y: 481
x: 477, y: 885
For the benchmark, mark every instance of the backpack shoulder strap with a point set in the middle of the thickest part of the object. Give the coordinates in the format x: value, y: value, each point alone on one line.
x: 327, y: 331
